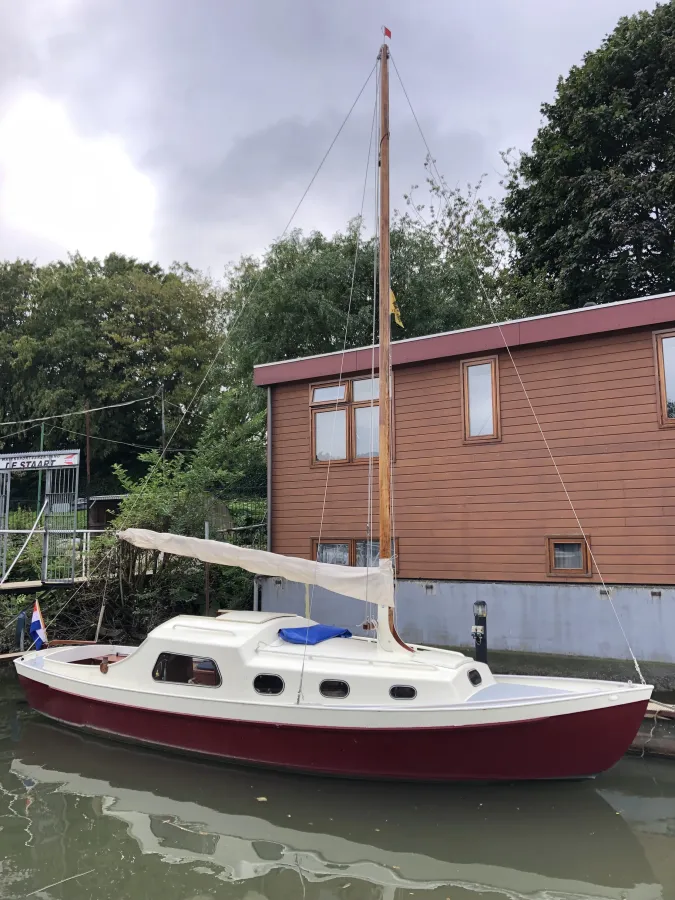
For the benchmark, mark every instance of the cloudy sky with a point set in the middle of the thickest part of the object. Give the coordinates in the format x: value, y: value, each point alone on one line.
x: 188, y: 129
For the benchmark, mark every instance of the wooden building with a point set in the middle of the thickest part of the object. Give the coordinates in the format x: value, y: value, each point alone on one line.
x: 479, y: 503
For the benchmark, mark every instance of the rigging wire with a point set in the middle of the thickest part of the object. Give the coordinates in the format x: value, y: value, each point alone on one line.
x: 95, y: 437
x: 490, y: 305
x: 224, y: 343
x: 342, y: 361
x: 79, y: 412
x: 4, y: 437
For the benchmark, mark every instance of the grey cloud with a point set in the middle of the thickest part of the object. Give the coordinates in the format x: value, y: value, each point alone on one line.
x: 228, y: 105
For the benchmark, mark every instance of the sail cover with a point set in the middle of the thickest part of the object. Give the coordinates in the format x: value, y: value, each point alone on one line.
x: 372, y: 585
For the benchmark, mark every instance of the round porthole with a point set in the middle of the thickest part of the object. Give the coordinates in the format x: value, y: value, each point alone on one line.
x: 402, y: 692
x: 335, y: 690
x: 474, y: 677
x: 268, y: 684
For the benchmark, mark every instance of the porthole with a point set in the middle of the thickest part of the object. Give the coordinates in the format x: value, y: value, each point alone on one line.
x: 336, y: 690
x: 402, y: 692
x: 268, y: 684
x: 474, y: 677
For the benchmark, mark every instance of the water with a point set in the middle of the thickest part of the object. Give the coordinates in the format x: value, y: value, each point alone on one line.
x: 138, y: 824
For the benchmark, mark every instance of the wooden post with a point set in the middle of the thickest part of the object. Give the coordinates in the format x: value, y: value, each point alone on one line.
x: 87, y: 430
x: 385, y: 313
x: 386, y: 626
x: 207, y: 577
x: 163, y: 424
x: 42, y: 447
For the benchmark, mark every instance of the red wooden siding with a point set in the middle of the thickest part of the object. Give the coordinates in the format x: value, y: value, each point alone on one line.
x: 483, y: 511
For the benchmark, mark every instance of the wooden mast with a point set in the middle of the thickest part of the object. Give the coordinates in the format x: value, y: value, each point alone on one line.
x: 386, y: 627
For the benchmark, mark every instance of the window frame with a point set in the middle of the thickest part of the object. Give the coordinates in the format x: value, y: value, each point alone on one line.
x: 327, y: 384
x: 587, y: 568
x: 352, y: 416
x: 349, y: 405
x: 352, y: 547
x: 660, y: 371
x: 324, y: 408
x: 187, y: 683
x: 464, y: 366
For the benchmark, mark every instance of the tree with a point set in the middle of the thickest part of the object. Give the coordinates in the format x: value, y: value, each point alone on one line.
x: 295, y: 301
x: 100, y: 333
x: 592, y: 207
x: 18, y: 281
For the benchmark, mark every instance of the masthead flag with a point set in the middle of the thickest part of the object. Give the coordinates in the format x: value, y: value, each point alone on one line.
x: 38, y: 632
x: 387, y: 33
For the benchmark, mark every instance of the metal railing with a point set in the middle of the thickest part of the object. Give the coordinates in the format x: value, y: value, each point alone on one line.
x: 82, y: 544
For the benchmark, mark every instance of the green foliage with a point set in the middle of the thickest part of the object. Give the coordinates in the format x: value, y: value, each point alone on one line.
x: 592, y: 206
x: 176, y: 496
x: 295, y: 300
x: 101, y: 333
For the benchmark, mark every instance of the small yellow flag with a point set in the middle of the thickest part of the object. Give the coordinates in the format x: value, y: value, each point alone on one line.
x: 393, y: 308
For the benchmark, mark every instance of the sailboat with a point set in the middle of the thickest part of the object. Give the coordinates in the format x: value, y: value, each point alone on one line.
x: 279, y: 690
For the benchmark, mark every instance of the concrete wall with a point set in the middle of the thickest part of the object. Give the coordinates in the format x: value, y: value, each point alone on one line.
x: 570, y: 619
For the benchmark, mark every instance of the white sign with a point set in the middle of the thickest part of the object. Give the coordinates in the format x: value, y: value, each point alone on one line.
x: 22, y: 462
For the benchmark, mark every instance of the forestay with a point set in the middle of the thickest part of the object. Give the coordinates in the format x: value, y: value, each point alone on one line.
x: 372, y: 585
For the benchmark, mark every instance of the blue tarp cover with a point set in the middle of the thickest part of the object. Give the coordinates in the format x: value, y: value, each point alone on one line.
x: 314, y: 634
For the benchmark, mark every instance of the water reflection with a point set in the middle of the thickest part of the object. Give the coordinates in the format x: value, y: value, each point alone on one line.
x: 69, y: 804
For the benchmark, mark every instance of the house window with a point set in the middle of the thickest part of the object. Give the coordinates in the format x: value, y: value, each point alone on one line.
x: 330, y: 435
x: 568, y: 556
x: 480, y: 399
x: 336, y: 552
x: 330, y: 393
x: 345, y: 421
x: 665, y: 364
x: 366, y: 431
x: 349, y: 551
x: 178, y: 669
x: 367, y: 553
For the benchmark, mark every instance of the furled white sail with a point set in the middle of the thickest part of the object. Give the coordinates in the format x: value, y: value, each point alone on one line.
x: 372, y: 585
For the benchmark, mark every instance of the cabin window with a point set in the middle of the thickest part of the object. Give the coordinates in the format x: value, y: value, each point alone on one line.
x: 335, y: 690
x: 268, y: 684
x: 349, y: 551
x: 345, y: 420
x: 665, y: 365
x: 480, y: 399
x: 475, y: 677
x: 178, y: 669
x: 568, y: 556
x: 402, y: 692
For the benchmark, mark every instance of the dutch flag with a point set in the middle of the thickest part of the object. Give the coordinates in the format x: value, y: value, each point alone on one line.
x: 38, y: 632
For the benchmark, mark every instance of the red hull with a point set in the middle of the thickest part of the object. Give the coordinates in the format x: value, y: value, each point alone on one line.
x: 567, y: 746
